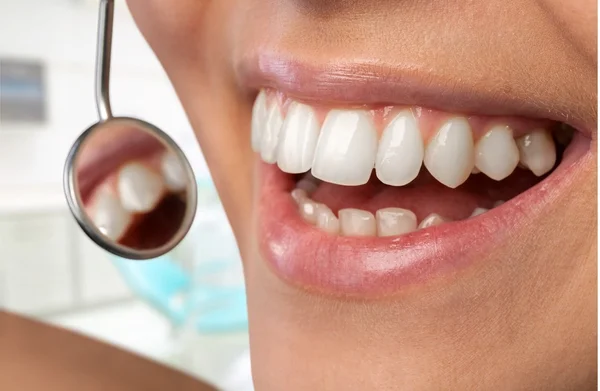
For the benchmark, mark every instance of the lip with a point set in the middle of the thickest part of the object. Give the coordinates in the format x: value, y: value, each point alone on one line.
x: 308, y: 258
x: 368, y: 82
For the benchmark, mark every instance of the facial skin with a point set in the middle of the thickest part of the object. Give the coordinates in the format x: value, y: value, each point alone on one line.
x: 524, y: 316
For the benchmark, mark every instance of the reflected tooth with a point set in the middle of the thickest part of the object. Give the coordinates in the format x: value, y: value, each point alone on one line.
x: 496, y: 153
x: 270, y: 134
x: 298, y: 139
x: 538, y: 152
x: 326, y: 220
x: 308, y: 183
x: 400, y: 153
x: 431, y: 221
x: 449, y: 154
x: 299, y: 195
x: 395, y: 221
x: 259, y: 118
x: 478, y: 211
x: 308, y: 210
x: 356, y: 222
x: 345, y: 153
x: 173, y: 172
x: 139, y: 188
x: 109, y: 215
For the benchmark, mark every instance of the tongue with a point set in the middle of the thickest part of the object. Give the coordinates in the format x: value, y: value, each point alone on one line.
x: 425, y: 195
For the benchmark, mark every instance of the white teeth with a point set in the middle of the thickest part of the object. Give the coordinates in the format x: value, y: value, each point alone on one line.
x: 345, y: 153
x: 538, y: 152
x: 478, y: 211
x: 308, y: 210
x: 326, y: 220
x: 259, y: 118
x: 356, y: 222
x: 400, y: 152
x: 109, y: 215
x: 496, y: 153
x: 298, y: 139
x: 395, y: 221
x: 432, y: 220
x: 449, y: 154
x: 139, y: 188
x: 299, y: 195
x: 270, y: 134
x: 173, y: 172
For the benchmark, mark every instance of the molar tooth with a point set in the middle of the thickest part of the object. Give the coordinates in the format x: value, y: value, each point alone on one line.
x: 270, y: 134
x: 478, y: 211
x: 259, y: 118
x: 326, y: 220
x: 449, y: 154
x: 538, y: 152
x: 140, y: 189
x: 308, y: 210
x: 400, y: 152
x: 173, y: 172
x: 345, y: 153
x: 395, y: 221
x: 432, y: 220
x: 356, y: 222
x: 496, y: 153
x: 109, y: 216
x: 298, y: 139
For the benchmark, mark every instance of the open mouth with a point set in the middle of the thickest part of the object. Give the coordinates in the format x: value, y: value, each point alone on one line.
x: 133, y: 189
x: 363, y: 199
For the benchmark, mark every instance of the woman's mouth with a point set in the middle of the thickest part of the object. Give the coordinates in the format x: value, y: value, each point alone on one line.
x: 365, y: 199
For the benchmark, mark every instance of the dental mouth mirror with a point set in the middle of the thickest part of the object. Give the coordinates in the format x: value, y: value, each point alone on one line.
x: 128, y: 184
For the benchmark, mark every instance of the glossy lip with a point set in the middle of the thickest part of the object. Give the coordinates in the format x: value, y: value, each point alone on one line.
x: 310, y: 259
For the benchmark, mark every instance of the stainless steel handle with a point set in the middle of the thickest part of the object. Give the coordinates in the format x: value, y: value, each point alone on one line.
x: 103, y: 53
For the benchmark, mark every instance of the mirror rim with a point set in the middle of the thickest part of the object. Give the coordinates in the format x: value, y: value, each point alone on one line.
x: 71, y: 191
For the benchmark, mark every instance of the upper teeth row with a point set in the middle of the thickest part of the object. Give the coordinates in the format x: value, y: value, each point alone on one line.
x: 345, y: 148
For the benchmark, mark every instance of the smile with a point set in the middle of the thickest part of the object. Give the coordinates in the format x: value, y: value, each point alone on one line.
x: 364, y: 199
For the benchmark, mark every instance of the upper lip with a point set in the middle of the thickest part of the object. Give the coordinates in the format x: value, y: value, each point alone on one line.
x: 371, y: 83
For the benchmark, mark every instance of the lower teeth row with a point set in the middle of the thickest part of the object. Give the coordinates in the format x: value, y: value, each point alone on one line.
x: 357, y: 222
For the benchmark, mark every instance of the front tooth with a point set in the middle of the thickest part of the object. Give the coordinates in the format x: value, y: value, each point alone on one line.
x: 139, y: 188
x: 298, y: 139
x: 356, y: 222
x: 173, y: 172
x: 395, y: 221
x: 538, y: 152
x: 259, y: 117
x: 496, y: 153
x: 270, y: 134
x: 478, y: 211
x: 308, y: 210
x: 326, y: 220
x: 400, y: 152
x: 432, y: 220
x: 345, y: 153
x: 109, y: 216
x: 449, y: 154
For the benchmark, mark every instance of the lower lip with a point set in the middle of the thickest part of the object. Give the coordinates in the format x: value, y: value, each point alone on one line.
x: 308, y: 258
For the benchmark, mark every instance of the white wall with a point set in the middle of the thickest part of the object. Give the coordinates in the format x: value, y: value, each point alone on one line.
x: 62, y: 34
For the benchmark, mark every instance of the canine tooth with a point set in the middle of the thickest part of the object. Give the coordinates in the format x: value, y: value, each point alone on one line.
x: 538, y: 152
x: 449, y: 154
x: 498, y: 203
x: 326, y: 220
x: 395, y: 221
x: 496, y: 153
x: 356, y: 222
x: 259, y: 118
x: 478, y: 211
x: 345, y: 153
x: 139, y: 188
x: 298, y: 139
x: 308, y: 210
x: 299, y: 195
x: 432, y: 220
x: 400, y: 153
x: 173, y: 172
x: 270, y: 134
x: 109, y: 216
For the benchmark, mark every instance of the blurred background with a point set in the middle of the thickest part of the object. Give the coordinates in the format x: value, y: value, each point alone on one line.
x: 187, y: 309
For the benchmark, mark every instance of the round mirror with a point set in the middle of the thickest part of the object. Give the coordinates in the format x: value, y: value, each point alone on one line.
x: 131, y: 188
